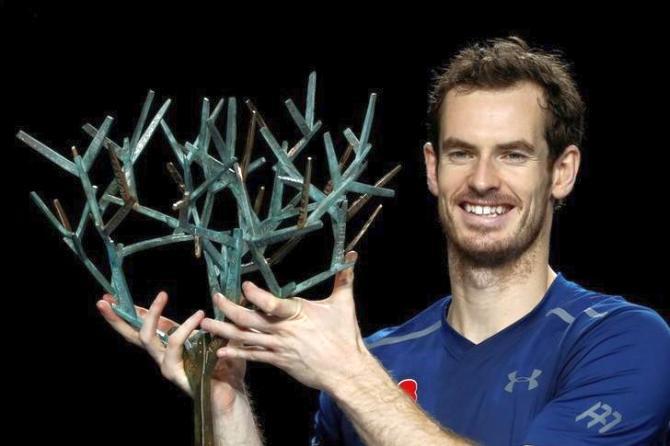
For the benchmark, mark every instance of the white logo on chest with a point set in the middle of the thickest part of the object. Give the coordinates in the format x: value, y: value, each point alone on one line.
x: 531, y: 380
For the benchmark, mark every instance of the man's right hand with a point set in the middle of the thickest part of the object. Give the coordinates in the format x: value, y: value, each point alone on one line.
x: 228, y: 375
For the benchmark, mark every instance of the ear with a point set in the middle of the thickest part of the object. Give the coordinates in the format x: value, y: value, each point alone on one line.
x: 430, y: 159
x: 565, y: 171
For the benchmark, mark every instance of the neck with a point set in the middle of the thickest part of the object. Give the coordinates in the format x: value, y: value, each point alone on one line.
x: 485, y: 300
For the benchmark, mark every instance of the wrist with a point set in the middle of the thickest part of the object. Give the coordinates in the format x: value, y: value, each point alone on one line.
x: 356, y: 370
x: 227, y: 400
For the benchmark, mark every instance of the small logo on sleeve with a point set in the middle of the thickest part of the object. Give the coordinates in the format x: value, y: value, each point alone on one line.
x: 600, y: 414
x: 410, y: 387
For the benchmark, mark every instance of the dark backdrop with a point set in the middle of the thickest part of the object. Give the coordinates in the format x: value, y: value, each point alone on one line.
x: 68, y: 66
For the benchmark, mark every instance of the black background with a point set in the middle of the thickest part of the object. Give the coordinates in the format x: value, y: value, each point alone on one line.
x: 66, y: 66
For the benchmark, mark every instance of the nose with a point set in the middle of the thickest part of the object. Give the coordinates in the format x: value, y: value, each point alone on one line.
x: 484, y: 176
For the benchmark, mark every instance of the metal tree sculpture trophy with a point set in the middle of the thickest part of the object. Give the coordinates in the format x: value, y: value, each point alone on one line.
x: 285, y: 224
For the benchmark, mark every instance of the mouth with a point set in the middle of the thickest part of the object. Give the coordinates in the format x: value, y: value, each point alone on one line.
x: 490, y: 215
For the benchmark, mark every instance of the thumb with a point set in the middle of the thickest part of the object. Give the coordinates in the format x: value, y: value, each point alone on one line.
x: 344, y: 280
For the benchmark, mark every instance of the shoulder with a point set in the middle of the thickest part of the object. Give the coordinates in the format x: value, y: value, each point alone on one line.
x: 607, y: 337
x: 612, y: 381
x: 591, y: 314
x: 622, y: 330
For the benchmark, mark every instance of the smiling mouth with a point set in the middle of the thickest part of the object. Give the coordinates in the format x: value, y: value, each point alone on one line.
x: 486, y: 210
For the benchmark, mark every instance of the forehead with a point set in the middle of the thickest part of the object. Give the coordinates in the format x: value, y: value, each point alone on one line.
x: 493, y: 116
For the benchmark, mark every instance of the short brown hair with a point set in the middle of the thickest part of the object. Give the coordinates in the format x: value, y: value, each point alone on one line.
x: 502, y: 62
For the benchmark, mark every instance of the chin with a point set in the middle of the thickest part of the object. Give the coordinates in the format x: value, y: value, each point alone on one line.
x: 488, y: 259
x: 490, y: 254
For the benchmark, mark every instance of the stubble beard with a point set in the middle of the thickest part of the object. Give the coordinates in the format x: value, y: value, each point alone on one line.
x: 486, y: 254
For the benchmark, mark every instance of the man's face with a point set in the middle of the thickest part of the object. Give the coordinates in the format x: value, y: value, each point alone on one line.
x: 493, y: 184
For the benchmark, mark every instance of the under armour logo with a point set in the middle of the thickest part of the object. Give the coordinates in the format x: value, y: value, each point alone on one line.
x: 531, y: 380
x: 600, y: 417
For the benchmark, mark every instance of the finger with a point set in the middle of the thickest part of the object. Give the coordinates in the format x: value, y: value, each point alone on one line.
x: 164, y: 324
x: 344, y: 280
x: 229, y: 331
x: 265, y: 301
x: 253, y: 354
x: 118, y: 324
x: 175, y: 345
x: 141, y: 311
x: 242, y: 317
x: 109, y: 298
x: 148, y: 331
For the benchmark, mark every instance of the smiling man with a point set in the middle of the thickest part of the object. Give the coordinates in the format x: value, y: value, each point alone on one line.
x: 517, y: 353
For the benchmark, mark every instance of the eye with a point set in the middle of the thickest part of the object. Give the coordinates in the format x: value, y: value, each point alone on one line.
x: 516, y: 156
x: 458, y: 154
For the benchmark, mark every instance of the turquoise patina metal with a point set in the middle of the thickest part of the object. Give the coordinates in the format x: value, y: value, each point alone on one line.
x: 223, y: 251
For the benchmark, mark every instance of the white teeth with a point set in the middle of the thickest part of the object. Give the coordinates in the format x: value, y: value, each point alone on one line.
x: 486, y: 210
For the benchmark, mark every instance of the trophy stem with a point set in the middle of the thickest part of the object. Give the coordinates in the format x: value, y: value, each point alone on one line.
x: 199, y: 362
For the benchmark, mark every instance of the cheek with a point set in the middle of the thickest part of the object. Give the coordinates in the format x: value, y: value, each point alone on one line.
x: 535, y: 200
x: 448, y: 182
x: 527, y: 186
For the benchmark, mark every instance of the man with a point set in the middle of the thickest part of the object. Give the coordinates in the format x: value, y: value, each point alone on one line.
x: 517, y: 354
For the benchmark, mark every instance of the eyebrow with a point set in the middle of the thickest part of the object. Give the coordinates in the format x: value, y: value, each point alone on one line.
x: 452, y: 142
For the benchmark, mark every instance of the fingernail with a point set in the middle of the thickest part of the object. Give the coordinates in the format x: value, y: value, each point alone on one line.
x: 249, y: 284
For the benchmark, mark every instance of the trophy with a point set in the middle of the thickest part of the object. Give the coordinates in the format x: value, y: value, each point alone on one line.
x: 297, y: 208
